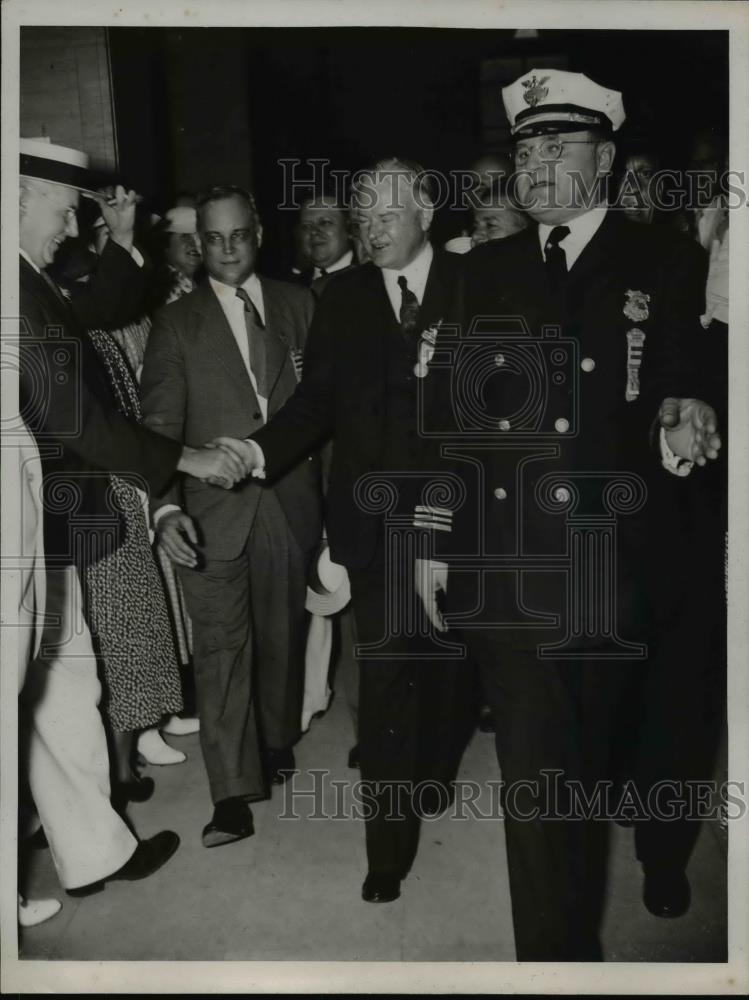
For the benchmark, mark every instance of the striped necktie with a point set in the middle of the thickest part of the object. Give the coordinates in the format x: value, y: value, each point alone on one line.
x: 256, y: 343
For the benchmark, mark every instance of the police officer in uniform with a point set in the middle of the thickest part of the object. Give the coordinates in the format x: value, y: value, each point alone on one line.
x: 576, y: 417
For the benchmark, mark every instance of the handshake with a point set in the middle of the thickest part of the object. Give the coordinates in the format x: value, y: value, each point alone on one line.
x: 225, y: 461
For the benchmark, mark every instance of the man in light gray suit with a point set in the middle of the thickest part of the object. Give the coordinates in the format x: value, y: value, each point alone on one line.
x: 221, y: 361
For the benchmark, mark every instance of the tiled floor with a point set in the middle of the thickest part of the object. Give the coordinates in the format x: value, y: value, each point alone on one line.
x: 292, y: 890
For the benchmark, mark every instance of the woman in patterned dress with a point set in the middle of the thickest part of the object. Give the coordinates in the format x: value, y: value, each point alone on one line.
x: 178, y: 259
x: 127, y: 607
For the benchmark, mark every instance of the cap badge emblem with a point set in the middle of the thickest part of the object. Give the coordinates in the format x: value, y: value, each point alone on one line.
x: 535, y: 90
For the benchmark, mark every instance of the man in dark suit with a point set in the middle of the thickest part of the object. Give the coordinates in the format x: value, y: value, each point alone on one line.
x: 359, y: 389
x: 66, y: 402
x: 220, y: 361
x: 576, y: 554
x: 324, y: 241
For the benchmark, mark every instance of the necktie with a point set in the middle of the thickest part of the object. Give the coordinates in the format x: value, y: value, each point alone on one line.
x: 55, y: 288
x: 256, y: 342
x: 556, y: 259
x: 409, y: 310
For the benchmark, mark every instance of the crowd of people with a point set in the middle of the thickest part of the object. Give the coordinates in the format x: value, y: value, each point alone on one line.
x: 240, y: 491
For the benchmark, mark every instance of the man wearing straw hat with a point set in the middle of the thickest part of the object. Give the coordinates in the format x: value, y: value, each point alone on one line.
x: 65, y: 400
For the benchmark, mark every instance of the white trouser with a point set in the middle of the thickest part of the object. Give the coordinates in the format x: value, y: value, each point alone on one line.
x: 67, y: 752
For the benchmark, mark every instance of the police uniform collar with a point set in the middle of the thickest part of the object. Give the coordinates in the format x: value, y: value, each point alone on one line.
x: 582, y: 229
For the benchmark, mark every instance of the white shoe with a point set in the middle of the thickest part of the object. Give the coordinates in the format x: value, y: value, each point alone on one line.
x: 181, y: 727
x: 154, y: 750
x: 35, y: 911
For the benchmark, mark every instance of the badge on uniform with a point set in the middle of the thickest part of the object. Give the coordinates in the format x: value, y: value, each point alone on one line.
x: 635, y: 309
x: 427, y: 340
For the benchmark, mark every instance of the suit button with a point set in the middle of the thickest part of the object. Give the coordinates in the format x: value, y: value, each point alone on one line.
x: 256, y: 415
x: 500, y: 493
x: 587, y: 364
x: 504, y: 425
x: 561, y: 425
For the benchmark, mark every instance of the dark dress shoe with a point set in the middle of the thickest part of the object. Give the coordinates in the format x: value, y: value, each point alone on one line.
x: 281, y: 765
x: 232, y: 820
x: 666, y: 891
x: 353, y: 757
x: 137, y: 789
x: 381, y: 887
x: 486, y: 722
x: 147, y: 858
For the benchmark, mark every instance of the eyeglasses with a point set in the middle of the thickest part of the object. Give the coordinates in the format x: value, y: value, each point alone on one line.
x: 548, y: 150
x: 238, y: 236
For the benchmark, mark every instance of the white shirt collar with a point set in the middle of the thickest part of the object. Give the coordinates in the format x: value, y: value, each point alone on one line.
x: 415, y: 273
x: 29, y: 260
x: 344, y: 261
x: 581, y: 232
x: 252, y: 286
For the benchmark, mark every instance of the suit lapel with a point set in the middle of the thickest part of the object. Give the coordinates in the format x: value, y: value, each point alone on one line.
x: 434, y: 304
x: 278, y: 337
x: 42, y: 289
x: 214, y: 327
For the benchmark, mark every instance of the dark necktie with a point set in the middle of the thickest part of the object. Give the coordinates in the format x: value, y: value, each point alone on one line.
x: 409, y: 311
x: 256, y: 342
x: 55, y: 289
x: 556, y: 259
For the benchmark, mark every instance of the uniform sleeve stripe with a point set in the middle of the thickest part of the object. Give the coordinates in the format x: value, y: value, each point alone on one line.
x: 432, y: 525
x: 439, y: 511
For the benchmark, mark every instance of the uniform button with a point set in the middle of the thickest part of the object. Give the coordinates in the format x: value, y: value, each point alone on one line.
x: 504, y: 425
x: 500, y: 493
x: 561, y: 425
x: 562, y: 494
x: 499, y: 360
x: 587, y: 364
x: 257, y: 415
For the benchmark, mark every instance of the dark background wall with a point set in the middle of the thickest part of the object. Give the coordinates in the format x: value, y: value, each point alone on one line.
x: 197, y: 106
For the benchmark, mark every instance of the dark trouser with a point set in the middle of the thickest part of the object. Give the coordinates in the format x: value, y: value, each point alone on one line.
x: 414, y: 718
x: 551, y: 716
x: 682, y: 713
x: 345, y: 669
x: 249, y: 628
x: 565, y: 716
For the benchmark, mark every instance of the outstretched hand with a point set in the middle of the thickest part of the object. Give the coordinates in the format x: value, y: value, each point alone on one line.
x: 691, y: 429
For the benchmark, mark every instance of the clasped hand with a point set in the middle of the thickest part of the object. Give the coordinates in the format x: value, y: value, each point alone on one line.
x: 237, y: 459
x: 223, y: 462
